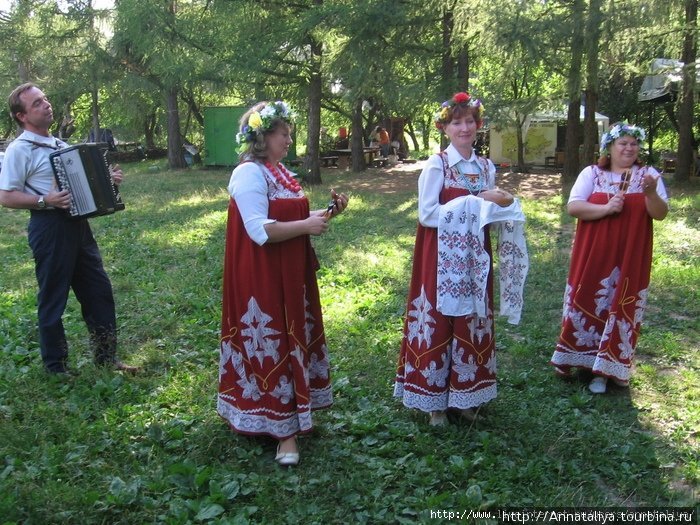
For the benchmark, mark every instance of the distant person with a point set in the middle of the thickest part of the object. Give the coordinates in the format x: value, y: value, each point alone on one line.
x: 384, y: 142
x: 374, y: 137
x: 66, y: 255
x: 274, y: 369
x: 343, y: 142
x: 447, y: 359
x: 395, y: 148
x: 615, y: 203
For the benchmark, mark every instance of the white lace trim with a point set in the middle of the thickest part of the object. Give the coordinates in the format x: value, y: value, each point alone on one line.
x: 590, y: 361
x: 321, y: 398
x: 460, y: 399
x: 257, y: 421
x: 617, y: 370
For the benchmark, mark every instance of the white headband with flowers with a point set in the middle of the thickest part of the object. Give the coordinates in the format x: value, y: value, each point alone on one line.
x: 617, y: 131
x: 261, y: 121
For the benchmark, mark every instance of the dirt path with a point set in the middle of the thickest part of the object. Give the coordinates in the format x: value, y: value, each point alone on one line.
x: 404, y: 177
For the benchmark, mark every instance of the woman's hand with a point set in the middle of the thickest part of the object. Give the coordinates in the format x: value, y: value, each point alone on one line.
x: 616, y: 203
x: 656, y: 206
x: 588, y: 211
x: 649, y: 183
x: 497, y: 196
x: 340, y: 203
x: 336, y: 206
x: 316, y: 224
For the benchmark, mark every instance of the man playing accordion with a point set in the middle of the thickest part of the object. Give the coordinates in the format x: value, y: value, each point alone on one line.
x: 65, y: 252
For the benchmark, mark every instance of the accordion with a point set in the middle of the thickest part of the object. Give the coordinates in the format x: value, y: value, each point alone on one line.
x: 84, y: 172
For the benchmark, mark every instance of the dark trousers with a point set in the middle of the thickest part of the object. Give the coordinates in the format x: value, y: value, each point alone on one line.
x: 66, y: 256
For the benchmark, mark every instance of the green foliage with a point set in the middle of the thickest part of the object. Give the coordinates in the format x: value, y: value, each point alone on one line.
x: 240, y: 51
x: 107, y: 448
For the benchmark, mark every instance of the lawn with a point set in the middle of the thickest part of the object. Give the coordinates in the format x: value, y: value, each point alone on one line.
x: 108, y: 448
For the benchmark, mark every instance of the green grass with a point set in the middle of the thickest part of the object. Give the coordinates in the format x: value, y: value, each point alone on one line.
x: 106, y: 448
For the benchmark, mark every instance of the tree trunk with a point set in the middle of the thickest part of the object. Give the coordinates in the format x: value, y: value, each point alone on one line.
x: 590, y: 126
x: 22, y: 72
x: 412, y: 133
x: 176, y: 158
x: 313, y: 137
x: 447, y: 66
x: 427, y: 127
x: 463, y: 69
x: 357, y: 140
x: 573, y: 119
x: 95, y: 109
x: 520, y: 139
x: 685, y: 163
x: 149, y: 129
x: 193, y: 106
x: 67, y: 126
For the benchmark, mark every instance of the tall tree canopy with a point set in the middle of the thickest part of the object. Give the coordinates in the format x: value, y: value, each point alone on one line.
x: 148, y: 66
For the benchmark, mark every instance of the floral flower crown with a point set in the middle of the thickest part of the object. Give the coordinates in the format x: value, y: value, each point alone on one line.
x: 261, y: 121
x: 619, y: 129
x: 444, y: 116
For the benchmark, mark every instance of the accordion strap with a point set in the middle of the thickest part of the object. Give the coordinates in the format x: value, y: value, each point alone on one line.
x: 36, y: 144
x: 36, y: 192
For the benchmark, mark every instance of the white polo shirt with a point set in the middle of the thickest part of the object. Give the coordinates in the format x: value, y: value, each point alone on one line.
x: 26, y: 165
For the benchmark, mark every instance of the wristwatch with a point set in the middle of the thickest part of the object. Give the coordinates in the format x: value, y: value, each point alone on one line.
x: 41, y: 202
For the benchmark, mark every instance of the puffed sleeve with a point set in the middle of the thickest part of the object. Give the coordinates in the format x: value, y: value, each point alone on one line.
x: 248, y: 188
x: 583, y: 187
x: 430, y: 184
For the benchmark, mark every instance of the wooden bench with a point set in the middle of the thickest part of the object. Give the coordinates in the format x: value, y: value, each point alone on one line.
x: 380, y: 162
x: 668, y: 165
x: 329, y: 161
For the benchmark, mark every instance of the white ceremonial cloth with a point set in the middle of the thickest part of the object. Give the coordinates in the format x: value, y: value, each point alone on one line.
x: 463, y: 263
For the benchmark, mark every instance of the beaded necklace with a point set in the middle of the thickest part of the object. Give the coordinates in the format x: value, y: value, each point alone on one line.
x: 474, y: 183
x: 284, y: 178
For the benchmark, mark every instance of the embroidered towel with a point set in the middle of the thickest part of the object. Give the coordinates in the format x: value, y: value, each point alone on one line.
x: 463, y: 263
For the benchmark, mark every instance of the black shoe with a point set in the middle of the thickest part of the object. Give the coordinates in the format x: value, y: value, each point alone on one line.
x: 62, y: 372
x: 118, y: 365
x: 129, y: 369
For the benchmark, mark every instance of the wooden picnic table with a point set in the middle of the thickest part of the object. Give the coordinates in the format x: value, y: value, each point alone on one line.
x: 370, y: 153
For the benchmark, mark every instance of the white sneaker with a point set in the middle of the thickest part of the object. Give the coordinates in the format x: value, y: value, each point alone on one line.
x: 438, y: 419
x: 598, y: 385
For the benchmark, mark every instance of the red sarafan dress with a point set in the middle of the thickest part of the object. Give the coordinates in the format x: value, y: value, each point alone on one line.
x: 446, y: 361
x: 274, y: 367
x: 606, y: 290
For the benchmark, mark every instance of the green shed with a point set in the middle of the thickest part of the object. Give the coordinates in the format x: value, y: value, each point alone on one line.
x: 220, y: 128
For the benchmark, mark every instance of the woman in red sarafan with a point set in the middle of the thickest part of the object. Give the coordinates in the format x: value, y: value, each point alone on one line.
x: 615, y: 202
x: 447, y: 359
x: 274, y: 367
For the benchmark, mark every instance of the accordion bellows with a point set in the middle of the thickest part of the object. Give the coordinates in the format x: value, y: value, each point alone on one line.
x: 84, y: 172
